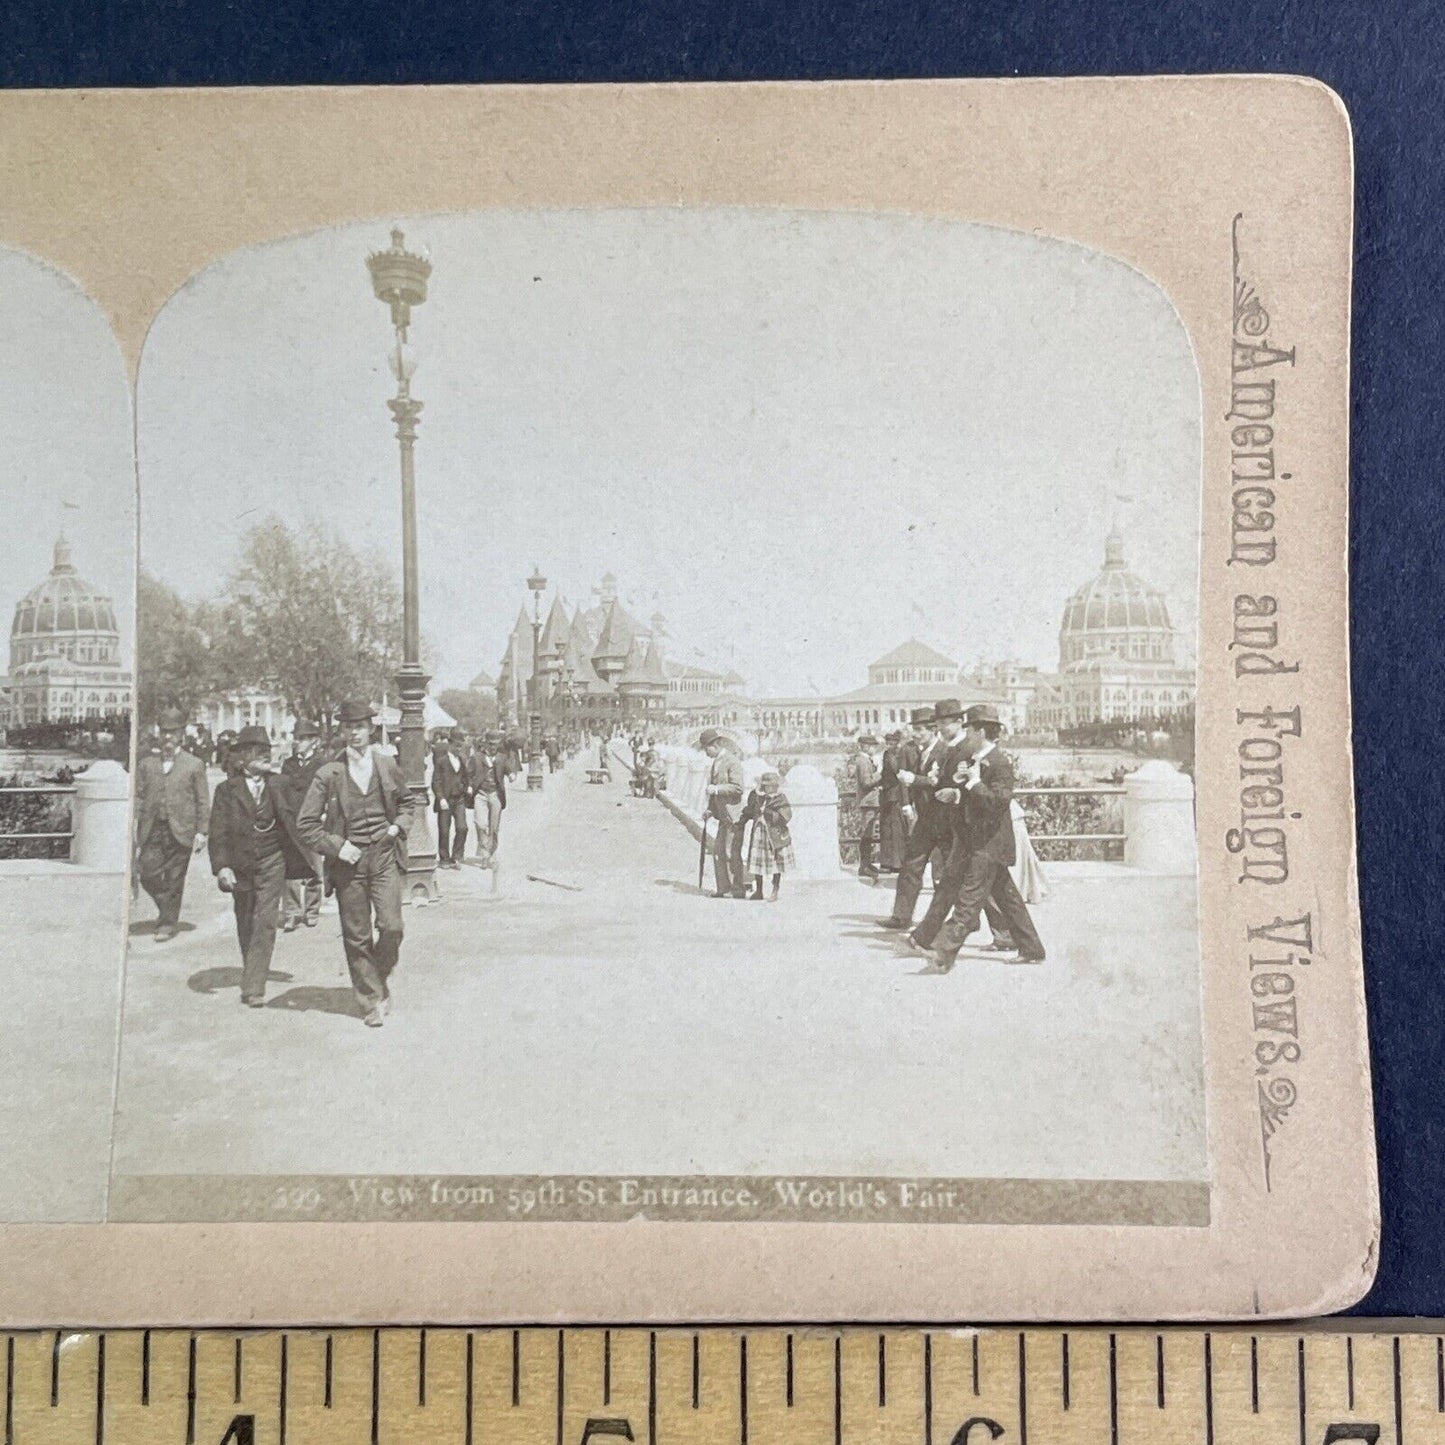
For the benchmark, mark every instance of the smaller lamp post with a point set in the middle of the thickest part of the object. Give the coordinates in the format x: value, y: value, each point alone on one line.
x: 538, y: 585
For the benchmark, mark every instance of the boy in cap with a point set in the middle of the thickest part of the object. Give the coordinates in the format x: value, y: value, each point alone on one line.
x: 253, y: 853
x: 358, y: 812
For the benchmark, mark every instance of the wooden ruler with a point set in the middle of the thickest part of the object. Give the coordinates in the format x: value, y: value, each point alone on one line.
x: 800, y: 1386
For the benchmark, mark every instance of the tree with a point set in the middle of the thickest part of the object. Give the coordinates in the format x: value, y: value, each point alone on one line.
x: 475, y: 712
x: 307, y: 616
x: 174, y: 662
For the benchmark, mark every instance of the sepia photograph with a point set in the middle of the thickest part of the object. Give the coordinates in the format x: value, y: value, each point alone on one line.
x: 67, y: 585
x: 675, y: 713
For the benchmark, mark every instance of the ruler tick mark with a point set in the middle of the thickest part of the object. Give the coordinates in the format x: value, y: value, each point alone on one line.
x: 191, y: 1392
x: 696, y: 1373
x: 1159, y: 1371
x: 1208, y: 1389
x: 928, y: 1387
x: 326, y: 1399
x: 652, y: 1388
x: 471, y: 1393
x: 788, y: 1374
x: 10, y: 1390
x: 100, y: 1391
x: 1023, y: 1392
x: 145, y: 1368
x: 236, y: 1374
x: 516, y: 1368
x: 421, y: 1369
x: 561, y: 1382
x: 55, y: 1371
x: 606, y: 1367
x: 281, y: 1403
x: 743, y: 1386
x: 1254, y: 1374
x: 975, y: 1362
x: 1113, y: 1391
x: 1064, y: 1368
x: 1350, y: 1370
x: 882, y: 1372
x: 837, y: 1389
x: 1399, y: 1413
x: 1300, y: 1377
x: 1439, y: 1375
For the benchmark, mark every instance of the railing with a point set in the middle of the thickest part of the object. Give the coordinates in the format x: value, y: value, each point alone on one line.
x: 1052, y: 842
x: 29, y: 806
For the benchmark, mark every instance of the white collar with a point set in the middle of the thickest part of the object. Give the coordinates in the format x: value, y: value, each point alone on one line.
x: 984, y: 751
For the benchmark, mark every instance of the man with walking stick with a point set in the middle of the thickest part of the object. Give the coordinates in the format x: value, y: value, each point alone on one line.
x: 725, y: 803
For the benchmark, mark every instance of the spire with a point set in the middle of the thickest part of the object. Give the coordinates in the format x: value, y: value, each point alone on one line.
x: 652, y: 669
x: 555, y: 629
x: 1114, y: 549
x: 62, y: 565
x: 616, y: 638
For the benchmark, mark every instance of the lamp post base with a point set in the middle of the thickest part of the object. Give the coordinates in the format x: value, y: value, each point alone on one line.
x: 534, y: 775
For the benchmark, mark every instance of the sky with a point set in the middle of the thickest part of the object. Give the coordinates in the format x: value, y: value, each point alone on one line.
x: 65, y: 436
x: 801, y: 436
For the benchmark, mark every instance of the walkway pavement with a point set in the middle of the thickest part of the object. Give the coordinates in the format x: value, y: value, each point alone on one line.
x: 600, y: 1015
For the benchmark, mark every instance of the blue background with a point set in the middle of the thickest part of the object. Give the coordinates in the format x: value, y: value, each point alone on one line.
x: 1385, y: 59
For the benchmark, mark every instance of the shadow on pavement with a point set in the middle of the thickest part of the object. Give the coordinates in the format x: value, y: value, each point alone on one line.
x: 136, y: 930
x: 213, y: 980
x: 311, y: 999
x: 690, y: 890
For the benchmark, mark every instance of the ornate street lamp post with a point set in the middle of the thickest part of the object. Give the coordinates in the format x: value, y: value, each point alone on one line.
x: 538, y: 583
x: 399, y: 277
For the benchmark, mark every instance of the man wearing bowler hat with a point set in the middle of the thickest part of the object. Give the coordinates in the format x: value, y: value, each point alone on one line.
x: 930, y: 834
x: 253, y: 853
x: 358, y: 811
x: 487, y: 782
x: 172, y: 808
x: 725, y: 803
x: 982, y: 789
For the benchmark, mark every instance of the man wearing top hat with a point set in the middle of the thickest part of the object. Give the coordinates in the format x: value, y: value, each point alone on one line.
x: 451, y: 797
x: 302, y: 900
x: 983, y: 788
x: 172, y: 809
x: 487, y: 780
x: 254, y: 851
x: 931, y: 834
x: 725, y: 803
x: 358, y: 811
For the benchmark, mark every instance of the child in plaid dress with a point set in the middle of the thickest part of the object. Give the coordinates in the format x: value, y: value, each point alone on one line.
x: 770, y: 851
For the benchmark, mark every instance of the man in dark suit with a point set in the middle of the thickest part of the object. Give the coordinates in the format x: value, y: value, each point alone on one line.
x: 172, y: 810
x: 302, y: 900
x: 983, y: 791
x: 253, y: 852
x: 358, y: 812
x: 931, y: 833
x: 725, y: 804
x: 487, y: 779
x: 451, y: 797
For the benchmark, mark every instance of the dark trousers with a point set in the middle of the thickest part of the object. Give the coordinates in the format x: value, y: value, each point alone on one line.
x: 985, y: 882
x: 162, y: 870
x: 370, y: 888
x: 947, y: 891
x: 929, y: 841
x: 727, y: 857
x: 302, y: 898
x: 868, y: 843
x: 257, y: 902
x: 452, y: 829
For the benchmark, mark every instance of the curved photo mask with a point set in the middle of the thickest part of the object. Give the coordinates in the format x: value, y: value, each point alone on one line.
x: 67, y: 582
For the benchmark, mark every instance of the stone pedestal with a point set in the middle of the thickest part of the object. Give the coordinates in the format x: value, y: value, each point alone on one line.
x: 100, y: 818
x: 1159, y: 820
x: 815, y: 822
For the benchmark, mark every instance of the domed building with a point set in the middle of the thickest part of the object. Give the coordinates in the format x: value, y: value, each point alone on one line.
x: 1118, y: 653
x: 65, y: 652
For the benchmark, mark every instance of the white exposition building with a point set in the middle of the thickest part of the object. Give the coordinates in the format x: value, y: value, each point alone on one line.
x: 65, y: 652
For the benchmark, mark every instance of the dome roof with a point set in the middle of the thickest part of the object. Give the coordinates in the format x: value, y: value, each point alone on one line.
x: 64, y: 604
x: 1113, y: 605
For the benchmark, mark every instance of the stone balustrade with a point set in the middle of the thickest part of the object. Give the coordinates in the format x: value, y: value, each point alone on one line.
x: 100, y: 818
